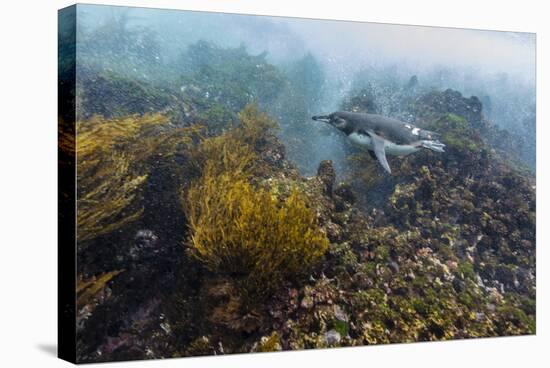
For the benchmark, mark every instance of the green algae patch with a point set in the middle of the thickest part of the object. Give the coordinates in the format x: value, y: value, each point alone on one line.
x: 457, y: 133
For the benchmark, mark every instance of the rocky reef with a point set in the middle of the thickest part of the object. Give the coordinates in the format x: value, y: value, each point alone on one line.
x: 212, y: 242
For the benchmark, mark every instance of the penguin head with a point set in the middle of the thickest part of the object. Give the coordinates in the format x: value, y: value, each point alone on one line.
x: 336, y: 119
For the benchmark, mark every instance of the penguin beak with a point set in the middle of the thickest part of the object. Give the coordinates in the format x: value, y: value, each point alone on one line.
x: 323, y: 118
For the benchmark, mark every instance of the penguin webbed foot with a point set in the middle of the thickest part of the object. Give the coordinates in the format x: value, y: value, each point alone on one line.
x: 436, y: 146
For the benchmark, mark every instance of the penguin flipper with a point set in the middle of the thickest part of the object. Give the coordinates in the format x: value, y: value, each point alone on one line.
x: 379, y: 146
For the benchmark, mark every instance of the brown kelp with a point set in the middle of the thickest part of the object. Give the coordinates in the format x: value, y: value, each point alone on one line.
x: 112, y: 167
x: 244, y: 231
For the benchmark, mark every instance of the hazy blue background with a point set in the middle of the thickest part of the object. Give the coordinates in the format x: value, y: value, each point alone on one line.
x: 498, y: 67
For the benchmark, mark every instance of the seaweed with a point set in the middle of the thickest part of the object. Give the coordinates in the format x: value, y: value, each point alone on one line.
x: 237, y: 230
x: 88, y: 289
x: 244, y: 231
x: 112, y: 168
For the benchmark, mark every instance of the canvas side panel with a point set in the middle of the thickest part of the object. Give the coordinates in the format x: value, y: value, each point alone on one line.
x: 66, y: 185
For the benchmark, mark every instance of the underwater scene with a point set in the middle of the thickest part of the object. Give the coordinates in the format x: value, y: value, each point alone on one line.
x: 251, y: 183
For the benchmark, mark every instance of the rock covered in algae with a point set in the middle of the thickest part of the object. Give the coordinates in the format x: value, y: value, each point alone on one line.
x: 444, y: 249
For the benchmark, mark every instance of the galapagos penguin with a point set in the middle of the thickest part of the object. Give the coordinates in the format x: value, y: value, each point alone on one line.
x: 381, y: 135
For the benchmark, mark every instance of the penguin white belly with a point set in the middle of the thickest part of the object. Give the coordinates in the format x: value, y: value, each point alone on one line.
x: 391, y: 148
x: 361, y: 140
